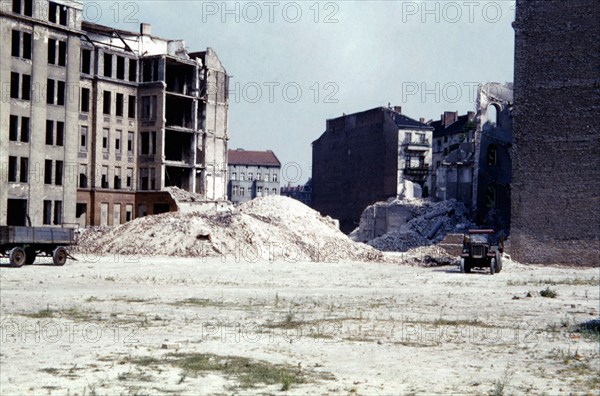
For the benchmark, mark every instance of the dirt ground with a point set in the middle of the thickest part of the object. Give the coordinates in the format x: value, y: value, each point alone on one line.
x: 159, y: 325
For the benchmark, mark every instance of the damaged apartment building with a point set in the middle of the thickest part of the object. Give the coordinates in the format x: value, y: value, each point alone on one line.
x: 366, y: 157
x: 99, y: 121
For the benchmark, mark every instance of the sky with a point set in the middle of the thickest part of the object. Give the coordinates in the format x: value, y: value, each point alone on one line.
x: 295, y: 64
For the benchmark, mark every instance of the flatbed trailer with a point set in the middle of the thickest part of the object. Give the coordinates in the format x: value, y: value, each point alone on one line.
x: 22, y: 245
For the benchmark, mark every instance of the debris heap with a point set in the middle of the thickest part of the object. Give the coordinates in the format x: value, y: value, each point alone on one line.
x: 268, y: 228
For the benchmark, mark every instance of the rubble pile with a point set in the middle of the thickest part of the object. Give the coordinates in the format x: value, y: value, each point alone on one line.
x: 268, y: 228
x: 430, y: 224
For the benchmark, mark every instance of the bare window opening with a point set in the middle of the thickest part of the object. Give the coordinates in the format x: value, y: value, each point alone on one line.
x: 48, y: 172
x: 13, y: 130
x: 493, y: 113
x: 49, y: 132
x: 28, y: 8
x: 117, y: 178
x: 12, y: 169
x: 83, y: 179
x: 105, y: 135
x: 26, y: 46
x: 490, y: 196
x: 16, y: 6
x: 60, y: 93
x: 52, y: 51
x: 14, y: 85
x: 144, y: 178
x: 492, y: 155
x: 178, y: 177
x: 52, y: 9
x: 57, y: 212
x: 120, y: 67
x: 16, y: 43
x: 119, y: 105
x: 106, y: 102
x: 152, y: 179
x: 50, y: 91
x: 108, y: 65
x: 131, y: 107
x: 60, y: 133
x: 148, y: 144
x: 130, y: 143
x: 85, y: 100
x: 118, y: 141
x: 58, y: 173
x: 104, y: 177
x: 47, y: 212
x: 149, y: 107
x: 83, y: 138
x: 178, y: 146
x: 80, y: 209
x: 132, y: 70
x: 64, y: 14
x: 62, y: 53
x: 179, y: 112
x: 16, y: 212
x: 129, y: 178
x: 24, y: 170
x: 25, y: 129
x: 86, y: 61
x: 26, y: 87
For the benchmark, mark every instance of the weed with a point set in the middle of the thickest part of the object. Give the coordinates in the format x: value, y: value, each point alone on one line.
x: 501, y: 383
x: 547, y: 292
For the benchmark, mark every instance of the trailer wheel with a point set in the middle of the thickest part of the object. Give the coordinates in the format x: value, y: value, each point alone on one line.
x: 59, y: 256
x: 493, y: 266
x: 30, y: 256
x: 17, y: 257
x: 498, y: 262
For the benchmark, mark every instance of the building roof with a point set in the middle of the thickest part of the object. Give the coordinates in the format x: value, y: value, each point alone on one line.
x: 403, y: 121
x: 247, y: 157
x: 456, y: 127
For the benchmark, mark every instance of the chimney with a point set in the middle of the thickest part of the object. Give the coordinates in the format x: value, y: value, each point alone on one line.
x: 449, y: 118
x: 398, y: 109
x: 470, y: 116
x: 422, y: 120
x: 145, y: 29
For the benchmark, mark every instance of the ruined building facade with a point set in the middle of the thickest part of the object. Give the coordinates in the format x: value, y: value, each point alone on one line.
x: 111, y: 118
x: 366, y: 157
x: 556, y: 151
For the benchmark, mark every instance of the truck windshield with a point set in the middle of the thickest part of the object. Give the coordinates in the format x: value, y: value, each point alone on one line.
x: 479, y: 238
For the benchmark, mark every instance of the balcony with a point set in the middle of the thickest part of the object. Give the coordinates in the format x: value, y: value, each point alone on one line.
x: 416, y: 145
x: 419, y: 172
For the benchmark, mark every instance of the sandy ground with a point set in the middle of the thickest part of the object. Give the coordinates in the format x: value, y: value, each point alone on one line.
x: 118, y: 325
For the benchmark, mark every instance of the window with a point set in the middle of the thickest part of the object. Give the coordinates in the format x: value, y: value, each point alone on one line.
x: 242, y: 191
x: 85, y: 100
x: 129, y: 178
x: 49, y: 132
x: 58, y: 173
x: 274, y: 191
x: 47, y: 212
x: 48, y: 172
x: 144, y: 178
x: 86, y: 61
x: 131, y: 107
x: 119, y: 105
x: 20, y: 84
x: 106, y: 102
x: 57, y: 212
x: 259, y: 191
x: 25, y: 129
x: 233, y: 176
x: 258, y: 176
x: 52, y: 51
x: 55, y: 92
x: 250, y: 176
x: 132, y: 70
x: 50, y: 91
x: 234, y: 190
x: 12, y: 169
x: 21, y: 44
x: 83, y: 179
x: 13, y: 131
x: 150, y: 70
x: 60, y: 133
x: 242, y: 176
x: 149, y: 107
x: 104, y: 177
x: 120, y: 68
x: 105, y: 136
x: 107, y: 65
x: 148, y: 145
x: 130, y: 143
x: 83, y: 138
x: 80, y: 209
x: 23, y: 7
x: 490, y: 196
x: 62, y: 53
x: 118, y: 141
x: 128, y: 212
x: 60, y: 93
x: 274, y: 177
x: 117, y: 178
x: 152, y: 179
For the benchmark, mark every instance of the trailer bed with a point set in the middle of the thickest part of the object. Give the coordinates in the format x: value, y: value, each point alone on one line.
x: 17, y: 235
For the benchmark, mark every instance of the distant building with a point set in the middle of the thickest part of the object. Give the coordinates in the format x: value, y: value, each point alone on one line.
x: 252, y: 174
x: 366, y: 157
x: 301, y: 193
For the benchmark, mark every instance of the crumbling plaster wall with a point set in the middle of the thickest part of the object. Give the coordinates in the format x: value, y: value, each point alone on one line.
x: 556, y: 166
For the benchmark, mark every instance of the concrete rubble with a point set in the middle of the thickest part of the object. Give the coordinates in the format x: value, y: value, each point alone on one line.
x: 402, y: 225
x: 269, y: 228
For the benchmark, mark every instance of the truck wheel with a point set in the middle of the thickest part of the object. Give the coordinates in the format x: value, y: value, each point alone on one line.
x: 498, y: 262
x: 59, y: 256
x: 30, y: 256
x: 467, y: 266
x: 462, y: 265
x: 17, y: 257
x: 493, y: 266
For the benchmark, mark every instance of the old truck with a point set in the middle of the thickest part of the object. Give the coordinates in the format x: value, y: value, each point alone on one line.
x: 481, y: 249
x: 22, y: 245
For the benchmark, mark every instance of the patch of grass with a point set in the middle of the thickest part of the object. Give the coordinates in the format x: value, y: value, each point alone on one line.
x: 247, y: 372
x: 591, y: 281
x: 92, y: 299
x: 132, y: 300
x: 197, y: 302
x: 590, y: 329
x: 42, y: 313
x: 549, y: 293
x: 50, y: 370
x: 501, y: 383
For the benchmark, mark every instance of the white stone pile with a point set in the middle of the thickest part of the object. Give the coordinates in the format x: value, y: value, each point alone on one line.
x: 269, y: 228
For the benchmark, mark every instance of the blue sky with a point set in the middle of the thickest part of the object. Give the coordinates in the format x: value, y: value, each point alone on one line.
x: 296, y: 64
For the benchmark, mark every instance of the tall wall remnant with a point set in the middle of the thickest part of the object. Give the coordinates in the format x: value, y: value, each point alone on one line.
x: 556, y: 151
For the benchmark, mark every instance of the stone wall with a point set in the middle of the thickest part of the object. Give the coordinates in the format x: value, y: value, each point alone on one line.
x: 556, y: 152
